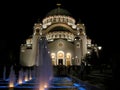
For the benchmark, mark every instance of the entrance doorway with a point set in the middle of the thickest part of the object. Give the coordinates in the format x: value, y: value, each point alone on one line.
x: 60, y: 61
x: 60, y: 58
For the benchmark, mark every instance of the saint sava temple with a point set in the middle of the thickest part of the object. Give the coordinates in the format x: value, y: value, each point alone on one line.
x: 57, y: 56
x: 67, y: 41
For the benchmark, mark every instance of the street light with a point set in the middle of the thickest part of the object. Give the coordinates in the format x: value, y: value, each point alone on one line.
x: 99, y: 47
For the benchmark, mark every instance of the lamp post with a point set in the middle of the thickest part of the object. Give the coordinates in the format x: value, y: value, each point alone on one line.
x: 99, y: 48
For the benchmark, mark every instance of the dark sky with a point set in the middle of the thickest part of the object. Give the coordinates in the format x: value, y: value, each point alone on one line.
x: 17, y: 19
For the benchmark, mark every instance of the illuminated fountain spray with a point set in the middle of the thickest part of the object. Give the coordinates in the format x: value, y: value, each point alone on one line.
x: 44, y: 65
x: 26, y: 76
x: 20, y: 78
x: 12, y: 77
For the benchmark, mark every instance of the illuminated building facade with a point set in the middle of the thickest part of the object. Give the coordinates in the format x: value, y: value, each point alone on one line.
x: 67, y: 40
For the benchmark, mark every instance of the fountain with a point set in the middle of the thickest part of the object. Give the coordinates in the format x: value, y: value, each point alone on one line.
x: 20, y: 78
x: 41, y: 77
x: 44, y: 65
x: 12, y: 78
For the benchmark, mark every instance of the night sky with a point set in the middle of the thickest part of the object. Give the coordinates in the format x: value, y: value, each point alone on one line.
x: 18, y: 17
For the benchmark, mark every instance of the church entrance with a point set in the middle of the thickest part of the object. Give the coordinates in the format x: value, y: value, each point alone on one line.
x: 60, y: 61
x: 60, y: 58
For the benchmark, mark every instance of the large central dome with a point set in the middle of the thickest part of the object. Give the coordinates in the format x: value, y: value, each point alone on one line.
x: 58, y: 11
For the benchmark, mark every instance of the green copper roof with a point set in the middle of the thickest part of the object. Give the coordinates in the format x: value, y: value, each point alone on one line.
x: 58, y: 11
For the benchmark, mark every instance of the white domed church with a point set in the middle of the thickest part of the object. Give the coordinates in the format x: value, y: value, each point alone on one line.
x: 67, y: 40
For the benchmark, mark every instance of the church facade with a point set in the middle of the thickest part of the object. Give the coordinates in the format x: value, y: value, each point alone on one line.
x: 67, y: 40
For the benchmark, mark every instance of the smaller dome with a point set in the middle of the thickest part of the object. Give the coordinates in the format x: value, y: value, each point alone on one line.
x: 58, y: 11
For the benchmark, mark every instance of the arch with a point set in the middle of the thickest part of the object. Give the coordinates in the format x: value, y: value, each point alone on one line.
x: 59, y: 24
x: 53, y: 56
x: 60, y: 58
x: 68, y: 59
